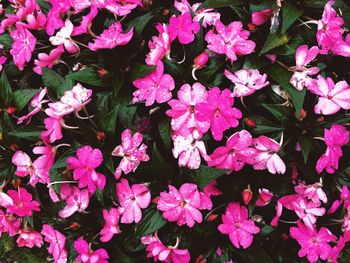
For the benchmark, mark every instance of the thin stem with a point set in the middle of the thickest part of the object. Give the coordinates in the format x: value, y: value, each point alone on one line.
x: 90, y: 118
x: 194, y: 73
x: 214, y: 210
x: 61, y: 182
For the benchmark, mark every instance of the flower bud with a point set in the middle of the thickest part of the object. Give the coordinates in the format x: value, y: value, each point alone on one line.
x: 10, y: 110
x: 102, y: 72
x: 201, y: 60
x: 249, y: 122
x: 264, y: 198
x: 212, y: 217
x: 200, y: 259
x: 247, y: 195
x: 100, y: 136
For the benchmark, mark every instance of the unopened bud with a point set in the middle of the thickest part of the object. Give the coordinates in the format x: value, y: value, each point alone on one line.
x: 201, y: 60
x: 247, y: 195
x: 10, y: 110
x: 249, y: 122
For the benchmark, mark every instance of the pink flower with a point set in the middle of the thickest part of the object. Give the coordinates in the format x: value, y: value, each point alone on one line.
x: 235, y: 154
x: 118, y: 7
x: 261, y: 17
x: 84, y: 168
x: 63, y: 37
x: 341, y: 47
x: 189, y: 151
x: 29, y: 239
x: 312, y: 192
x: 159, y: 46
x: 132, y: 200
x: 307, y: 211
x: 22, y: 203
x: 2, y: 61
x: 48, y: 60
x: 133, y: 152
x: 181, y: 206
x: 77, y: 97
x: 303, y: 57
x: 111, y: 226
x: 43, y: 163
x: 266, y: 157
x: 208, y: 191
x: 23, y: 164
x: 231, y: 40
x: 57, y: 243
x: 246, y: 81
x: 313, y: 244
x: 156, y: 86
x: 183, y: 28
x: 77, y: 201
x: 53, y: 130
x: 23, y: 46
x: 264, y: 197
x: 86, y: 22
x: 344, y: 198
x: 218, y: 109
x: 80, y: 5
x: 36, y: 103
x: 235, y: 223
x: 9, y: 224
x: 111, y: 37
x: 183, y: 111
x: 87, y: 255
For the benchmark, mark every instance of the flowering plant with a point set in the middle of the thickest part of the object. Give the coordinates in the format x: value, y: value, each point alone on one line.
x: 174, y: 131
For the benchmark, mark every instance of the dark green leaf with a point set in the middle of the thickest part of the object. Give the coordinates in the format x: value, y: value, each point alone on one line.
x: 165, y: 133
x: 160, y: 166
x: 253, y: 62
x: 21, y: 97
x: 274, y: 40
x: 174, y: 68
x: 220, y: 3
x: 305, y: 145
x: 290, y: 13
x: 150, y: 223
x: 204, y: 175
x: 140, y: 22
x: 141, y: 71
x: 108, y: 122
x: 27, y: 132
x: 5, y: 90
x: 280, y: 112
x: 52, y: 80
x: 67, y: 84
x: 88, y: 76
x: 126, y: 114
x: 6, y: 40
x: 263, y: 125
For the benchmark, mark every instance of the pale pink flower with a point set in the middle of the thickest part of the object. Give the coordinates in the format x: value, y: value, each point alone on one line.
x: 77, y: 201
x: 261, y: 17
x: 182, y: 111
x: 219, y: 111
x: 29, y: 238
x: 155, y: 86
x: 246, y: 81
x: 237, y: 151
x: 118, y: 7
x: 111, y: 226
x: 307, y: 211
x: 36, y: 103
x: 133, y: 152
x: 231, y: 40
x: 183, y: 28
x: 266, y: 157
x: 77, y: 97
x: 87, y: 255
x: 48, y: 60
x: 181, y: 206
x: 23, y: 164
x: 111, y: 37
x: 53, y: 129
x: 80, y: 5
x: 132, y: 200
x: 314, y: 245
x: 58, y: 109
x: 208, y: 191
x: 9, y: 224
x: 43, y: 163
x: 84, y: 166
x: 23, y: 46
x: 57, y: 243
x: 63, y: 37
x: 313, y: 192
x: 236, y: 224
x: 159, y: 45
x: 303, y: 57
x: 264, y: 197
x: 23, y: 205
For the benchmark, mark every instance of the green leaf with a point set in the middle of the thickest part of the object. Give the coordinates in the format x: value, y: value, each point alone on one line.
x: 280, y: 112
x: 67, y: 84
x: 253, y: 62
x: 6, y: 40
x: 21, y: 97
x: 220, y: 3
x: 274, y: 40
x: 52, y: 80
x: 109, y: 122
x: 305, y: 145
x: 141, y: 71
x: 5, y: 90
x: 204, y: 175
x: 88, y: 76
x: 159, y: 166
x: 126, y: 114
x: 150, y: 223
x: 99, y: 196
x: 165, y: 133
x: 27, y: 132
x: 290, y: 13
x: 174, y: 68
x: 140, y: 22
x: 263, y: 125
x: 266, y: 229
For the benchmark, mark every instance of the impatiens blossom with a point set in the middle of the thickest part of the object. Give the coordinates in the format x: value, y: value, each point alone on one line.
x: 159, y: 45
x: 231, y: 40
x: 111, y: 37
x: 155, y: 86
x: 183, y: 28
x: 314, y: 244
x: 36, y: 103
x: 264, y: 197
x: 181, y: 206
x: 219, y: 110
x: 118, y: 7
x: 183, y: 111
x: 22, y: 46
x: 57, y: 243
x: 27, y: 238
x: 237, y: 151
x: 133, y: 152
x: 84, y: 166
x: 303, y: 57
x: 341, y: 47
x: 111, y: 226
x: 336, y: 137
x: 208, y: 191
x: 246, y: 81
x: 48, y: 60
x: 86, y: 22
x: 63, y: 37
x: 261, y: 17
x: 2, y: 61
x: 87, y: 255
x: 266, y: 157
x: 77, y: 201
x: 132, y: 200
x: 159, y: 252
x: 313, y: 192
x: 9, y: 224
x: 23, y: 205
x: 344, y: 199
x: 53, y: 130
x: 77, y: 97
x: 236, y: 224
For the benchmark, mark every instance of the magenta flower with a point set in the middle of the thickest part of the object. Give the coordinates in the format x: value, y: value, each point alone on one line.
x: 266, y: 157
x: 208, y: 191
x: 23, y: 46
x: 63, y: 37
x: 341, y: 47
x: 261, y: 17
x: 344, y: 198
x: 57, y: 243
x: 236, y: 224
x: 87, y: 255
x: 77, y: 201
x: 2, y: 61
x: 86, y: 22
x: 133, y: 152
x: 183, y: 111
x: 156, y: 86
x: 132, y: 200
x: 231, y: 40
x: 29, y: 238
x: 159, y: 45
x: 118, y: 7
x: 303, y: 57
x: 246, y: 81
x: 181, y: 206
x: 218, y: 109
x: 235, y: 154
x: 84, y: 166
x: 77, y: 97
x: 314, y: 245
x: 264, y: 197
x: 183, y: 28
x: 43, y: 163
x: 307, y: 211
x: 9, y: 224
x: 48, y: 60
x: 53, y: 130
x: 111, y: 226
x: 22, y: 203
x: 111, y: 37
x: 312, y: 192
